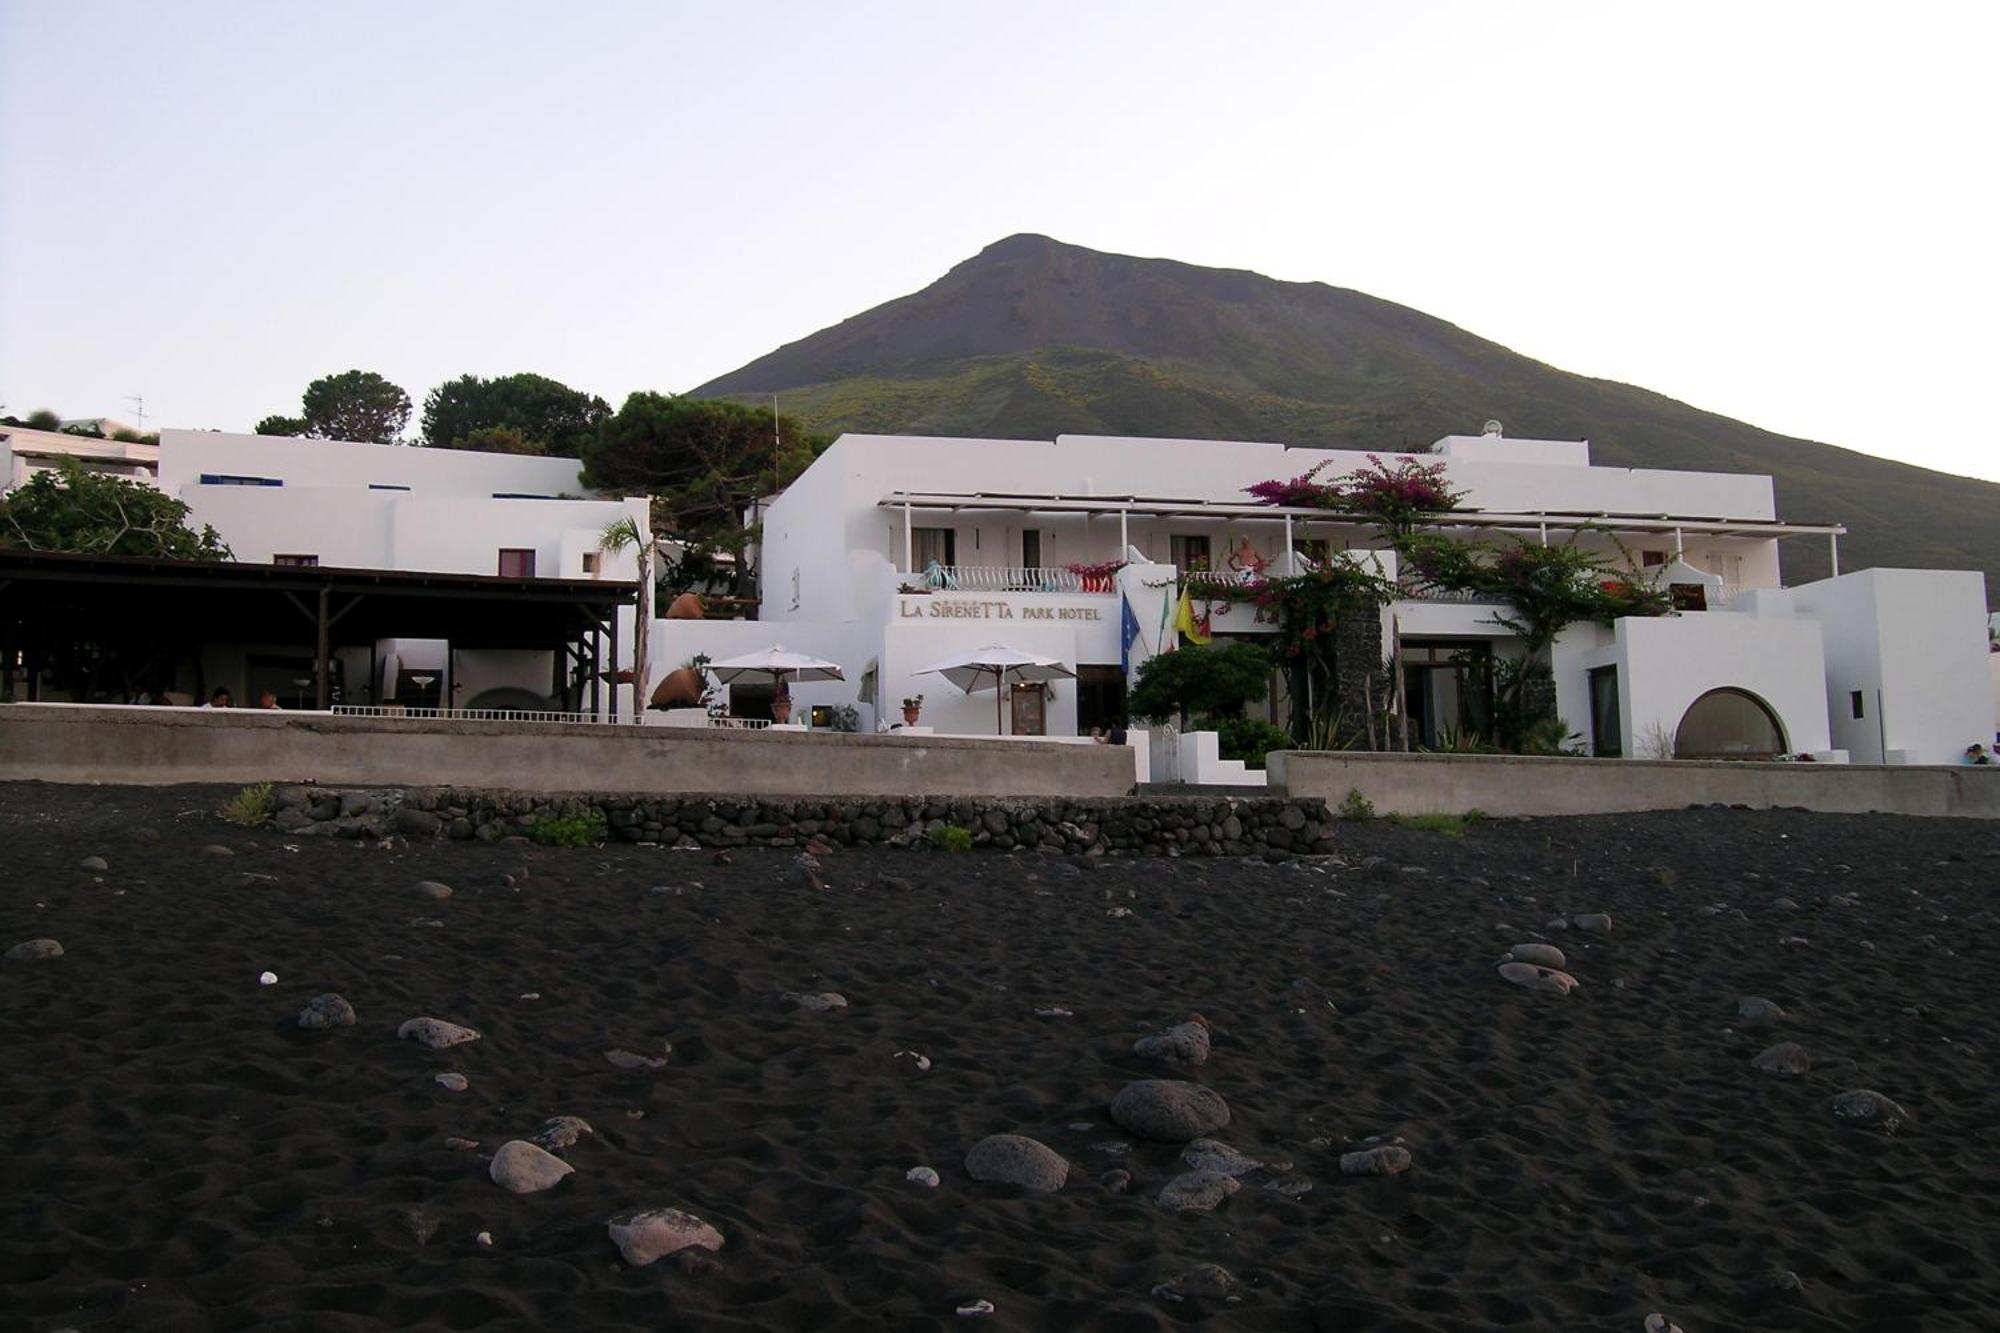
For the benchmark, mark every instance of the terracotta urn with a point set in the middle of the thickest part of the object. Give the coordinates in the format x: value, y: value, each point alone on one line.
x: 687, y: 606
x: 781, y: 709
x: 679, y: 688
x: 910, y: 716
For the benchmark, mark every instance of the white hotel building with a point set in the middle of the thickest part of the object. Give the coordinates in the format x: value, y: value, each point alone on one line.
x: 891, y: 553
x: 286, y: 501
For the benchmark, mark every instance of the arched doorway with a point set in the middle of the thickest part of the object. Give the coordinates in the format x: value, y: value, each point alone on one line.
x: 1729, y: 724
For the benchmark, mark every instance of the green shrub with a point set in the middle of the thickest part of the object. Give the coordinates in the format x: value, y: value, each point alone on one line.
x: 951, y: 838
x: 1355, y: 806
x: 1250, y: 739
x: 1451, y: 826
x: 581, y: 828
x: 251, y: 806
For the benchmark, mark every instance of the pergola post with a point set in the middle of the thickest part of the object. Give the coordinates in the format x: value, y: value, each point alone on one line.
x: 909, y: 541
x: 1124, y: 536
x: 596, y: 671
x: 614, y: 665
x: 1291, y: 559
x: 325, y: 630
x: 1833, y: 552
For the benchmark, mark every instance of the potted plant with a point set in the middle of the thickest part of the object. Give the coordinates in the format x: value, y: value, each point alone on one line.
x: 912, y: 710
x: 781, y: 705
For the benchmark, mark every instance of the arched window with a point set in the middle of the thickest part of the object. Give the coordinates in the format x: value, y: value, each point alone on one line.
x: 1729, y: 724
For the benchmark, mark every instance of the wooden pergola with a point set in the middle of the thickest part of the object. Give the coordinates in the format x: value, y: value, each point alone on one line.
x: 52, y: 597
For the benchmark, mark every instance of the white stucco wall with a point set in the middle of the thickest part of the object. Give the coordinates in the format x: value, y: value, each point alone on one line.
x: 1913, y: 642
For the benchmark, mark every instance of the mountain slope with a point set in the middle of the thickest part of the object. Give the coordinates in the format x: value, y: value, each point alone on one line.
x: 1032, y: 337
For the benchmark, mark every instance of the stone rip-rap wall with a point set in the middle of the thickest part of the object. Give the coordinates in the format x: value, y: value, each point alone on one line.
x: 1186, y: 826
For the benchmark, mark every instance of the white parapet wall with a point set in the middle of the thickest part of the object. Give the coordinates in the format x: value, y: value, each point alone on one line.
x: 1518, y: 785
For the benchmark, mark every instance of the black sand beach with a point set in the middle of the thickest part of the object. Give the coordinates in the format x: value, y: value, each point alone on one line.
x: 180, y: 1155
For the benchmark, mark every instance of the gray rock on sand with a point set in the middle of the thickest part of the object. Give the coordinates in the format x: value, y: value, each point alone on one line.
x: 1659, y: 1323
x: 1787, y: 1058
x: 1215, y: 1155
x: 523, y: 1168
x: 1595, y: 923
x: 1169, y: 1110
x: 326, y: 1011
x: 1197, y: 1191
x: 1203, y: 1282
x: 624, y: 1059
x: 1757, y: 1009
x: 1869, y: 1110
x: 1545, y: 979
x: 922, y: 1175
x: 1183, y: 1044
x: 436, y: 1033
x: 1384, y: 1159
x: 644, y: 1237
x: 218, y: 850
x: 825, y: 1001
x: 1016, y: 1159
x: 433, y: 890
x: 452, y: 1081
x: 93, y: 863
x: 32, y: 951
x: 561, y: 1131
x: 1541, y: 955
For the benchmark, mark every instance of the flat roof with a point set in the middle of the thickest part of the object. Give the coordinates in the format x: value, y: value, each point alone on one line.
x: 235, y: 602
x: 1158, y: 507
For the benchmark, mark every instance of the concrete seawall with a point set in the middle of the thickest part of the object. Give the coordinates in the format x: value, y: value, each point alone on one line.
x: 1536, y: 785
x: 151, y: 747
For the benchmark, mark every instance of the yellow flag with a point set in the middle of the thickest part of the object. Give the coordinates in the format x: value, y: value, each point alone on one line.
x: 1191, y: 627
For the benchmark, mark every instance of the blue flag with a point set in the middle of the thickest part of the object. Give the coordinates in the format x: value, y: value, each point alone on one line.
x: 1128, y: 628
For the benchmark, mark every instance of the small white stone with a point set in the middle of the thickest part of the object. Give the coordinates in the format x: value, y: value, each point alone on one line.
x: 922, y: 1175
x: 485, y: 1238
x: 975, y: 1309
x: 267, y: 978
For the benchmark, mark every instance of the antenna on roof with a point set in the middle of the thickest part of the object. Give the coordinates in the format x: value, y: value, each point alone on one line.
x: 1490, y: 429
x: 138, y: 400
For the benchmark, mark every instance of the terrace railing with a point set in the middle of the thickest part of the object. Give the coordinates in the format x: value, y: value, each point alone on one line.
x: 1008, y: 578
x: 470, y: 714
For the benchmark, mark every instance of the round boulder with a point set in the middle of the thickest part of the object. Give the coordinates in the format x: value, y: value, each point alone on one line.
x: 326, y: 1011
x: 93, y: 863
x: 1869, y: 1110
x: 1787, y: 1058
x: 1757, y: 1009
x: 523, y: 1168
x: 654, y: 1234
x: 433, y: 890
x: 1016, y: 1159
x: 1384, y: 1159
x: 1197, y: 1191
x: 1545, y: 979
x: 1215, y: 1155
x: 32, y: 951
x: 1184, y: 1044
x: 1169, y: 1110
x: 562, y: 1131
x: 436, y: 1033
x: 1596, y: 923
x: 1541, y: 955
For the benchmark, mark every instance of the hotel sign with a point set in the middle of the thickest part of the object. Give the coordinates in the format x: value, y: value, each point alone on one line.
x: 967, y: 608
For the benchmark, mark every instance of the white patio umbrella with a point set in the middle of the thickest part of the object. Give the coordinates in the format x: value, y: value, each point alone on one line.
x: 779, y: 665
x: 992, y: 666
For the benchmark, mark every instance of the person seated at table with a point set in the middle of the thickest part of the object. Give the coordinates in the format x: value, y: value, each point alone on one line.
x: 267, y: 700
x: 219, y: 699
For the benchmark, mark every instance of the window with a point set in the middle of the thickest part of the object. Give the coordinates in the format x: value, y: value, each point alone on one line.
x: 303, y: 561
x: 590, y: 562
x: 1188, y: 551
x: 932, y: 545
x: 385, y: 486
x: 516, y: 563
x: 1031, y: 548
x: 520, y: 495
x: 1652, y: 559
x: 229, y: 479
x: 1728, y: 724
x: 1854, y: 703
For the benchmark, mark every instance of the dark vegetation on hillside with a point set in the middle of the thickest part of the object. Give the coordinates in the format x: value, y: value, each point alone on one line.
x: 1032, y: 337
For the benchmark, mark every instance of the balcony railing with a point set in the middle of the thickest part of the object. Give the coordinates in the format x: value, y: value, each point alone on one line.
x: 1008, y: 578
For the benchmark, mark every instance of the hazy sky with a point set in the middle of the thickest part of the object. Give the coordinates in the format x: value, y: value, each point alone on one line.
x: 1781, y: 212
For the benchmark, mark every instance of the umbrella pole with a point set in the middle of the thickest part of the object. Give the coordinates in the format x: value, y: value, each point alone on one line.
x: 999, y: 698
